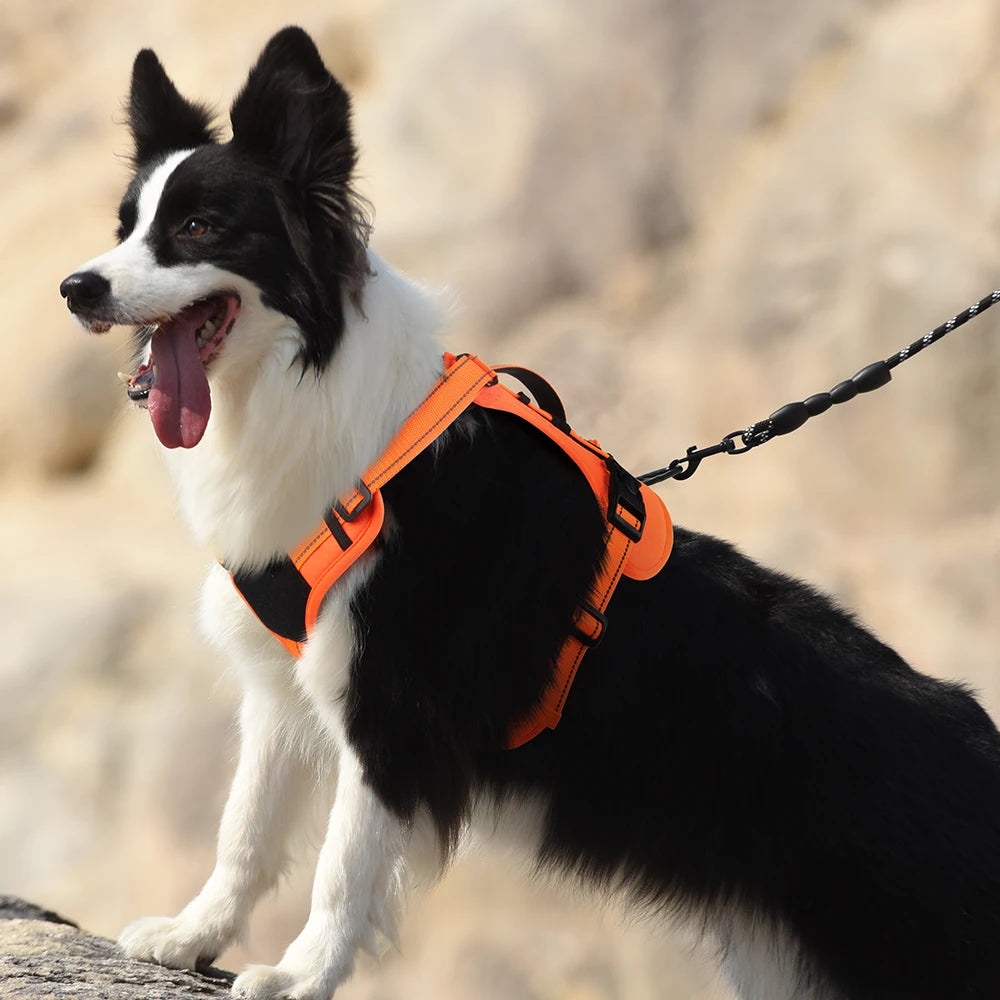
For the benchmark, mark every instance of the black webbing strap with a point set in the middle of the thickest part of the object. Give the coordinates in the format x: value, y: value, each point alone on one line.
x: 546, y: 398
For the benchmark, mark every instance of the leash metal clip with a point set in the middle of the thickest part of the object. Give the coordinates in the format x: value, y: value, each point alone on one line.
x: 695, y: 456
x: 729, y: 443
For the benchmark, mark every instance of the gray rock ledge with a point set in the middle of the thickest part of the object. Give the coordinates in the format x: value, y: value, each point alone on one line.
x: 44, y: 956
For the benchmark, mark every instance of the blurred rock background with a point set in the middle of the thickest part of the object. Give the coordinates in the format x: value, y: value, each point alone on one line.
x: 684, y: 213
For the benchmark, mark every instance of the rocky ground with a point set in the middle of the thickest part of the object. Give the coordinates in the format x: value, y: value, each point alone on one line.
x: 685, y: 214
x: 44, y: 955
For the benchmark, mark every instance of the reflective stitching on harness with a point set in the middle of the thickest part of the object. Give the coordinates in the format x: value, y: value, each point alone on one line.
x: 302, y: 552
x: 444, y: 420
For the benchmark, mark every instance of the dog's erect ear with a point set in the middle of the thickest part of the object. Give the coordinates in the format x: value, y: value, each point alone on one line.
x: 160, y: 120
x: 293, y: 116
x: 296, y: 115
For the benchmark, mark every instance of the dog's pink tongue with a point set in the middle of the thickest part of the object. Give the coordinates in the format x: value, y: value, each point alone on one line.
x: 179, y: 401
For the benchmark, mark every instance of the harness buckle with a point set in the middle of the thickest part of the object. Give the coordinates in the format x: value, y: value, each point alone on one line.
x: 624, y: 494
x: 593, y: 638
x: 366, y: 498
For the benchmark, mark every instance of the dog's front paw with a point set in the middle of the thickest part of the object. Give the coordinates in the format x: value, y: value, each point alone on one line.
x: 268, y: 982
x: 169, y: 941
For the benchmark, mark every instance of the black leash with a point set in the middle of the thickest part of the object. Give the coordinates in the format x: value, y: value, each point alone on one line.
x: 792, y: 416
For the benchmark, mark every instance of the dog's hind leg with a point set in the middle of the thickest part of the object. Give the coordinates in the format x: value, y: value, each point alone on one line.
x: 268, y: 792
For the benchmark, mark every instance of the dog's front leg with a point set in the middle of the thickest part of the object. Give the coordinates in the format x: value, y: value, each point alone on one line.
x: 265, y: 800
x: 356, y: 885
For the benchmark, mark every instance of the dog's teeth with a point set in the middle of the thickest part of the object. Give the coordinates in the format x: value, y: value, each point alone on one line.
x: 205, y: 333
x: 125, y: 377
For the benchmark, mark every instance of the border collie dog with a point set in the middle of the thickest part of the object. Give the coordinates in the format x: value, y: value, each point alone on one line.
x: 737, y: 751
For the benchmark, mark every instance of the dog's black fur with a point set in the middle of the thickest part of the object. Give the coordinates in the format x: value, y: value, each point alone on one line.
x: 736, y: 741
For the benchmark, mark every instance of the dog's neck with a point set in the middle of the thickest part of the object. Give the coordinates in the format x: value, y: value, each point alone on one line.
x: 281, y: 445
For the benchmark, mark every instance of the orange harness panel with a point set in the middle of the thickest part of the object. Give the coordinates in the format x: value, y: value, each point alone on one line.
x: 286, y: 596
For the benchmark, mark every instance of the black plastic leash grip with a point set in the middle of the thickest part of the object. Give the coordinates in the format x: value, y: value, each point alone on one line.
x: 818, y: 404
x: 872, y: 376
x: 787, y: 418
x: 792, y: 416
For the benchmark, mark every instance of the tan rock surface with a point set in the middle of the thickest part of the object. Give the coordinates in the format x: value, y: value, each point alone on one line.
x: 685, y: 214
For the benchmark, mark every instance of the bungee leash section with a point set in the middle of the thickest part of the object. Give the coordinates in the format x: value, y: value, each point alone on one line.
x: 792, y: 416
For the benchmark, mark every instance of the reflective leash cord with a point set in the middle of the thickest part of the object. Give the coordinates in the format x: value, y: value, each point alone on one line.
x: 791, y: 416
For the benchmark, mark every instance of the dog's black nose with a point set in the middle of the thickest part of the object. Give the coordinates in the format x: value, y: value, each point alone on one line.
x: 84, y: 290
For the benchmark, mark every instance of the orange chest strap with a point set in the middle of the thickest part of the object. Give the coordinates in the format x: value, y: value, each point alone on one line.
x: 286, y: 596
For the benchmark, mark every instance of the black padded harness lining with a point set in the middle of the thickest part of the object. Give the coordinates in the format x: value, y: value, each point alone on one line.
x: 278, y: 595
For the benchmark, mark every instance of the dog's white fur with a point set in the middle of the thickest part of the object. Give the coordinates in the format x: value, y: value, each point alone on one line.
x: 259, y: 391
x: 243, y: 492
x: 250, y: 505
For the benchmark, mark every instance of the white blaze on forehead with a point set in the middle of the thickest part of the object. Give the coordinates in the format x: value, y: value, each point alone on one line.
x: 149, y: 199
x: 143, y: 290
x: 152, y: 190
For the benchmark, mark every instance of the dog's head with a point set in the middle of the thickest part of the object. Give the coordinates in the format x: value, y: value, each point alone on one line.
x: 225, y: 246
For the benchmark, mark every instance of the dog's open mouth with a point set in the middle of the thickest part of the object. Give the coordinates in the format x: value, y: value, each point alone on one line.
x: 173, y: 383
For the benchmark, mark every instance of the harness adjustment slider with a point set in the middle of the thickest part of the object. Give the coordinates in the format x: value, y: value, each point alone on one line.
x: 366, y: 497
x: 625, y: 495
x: 600, y: 624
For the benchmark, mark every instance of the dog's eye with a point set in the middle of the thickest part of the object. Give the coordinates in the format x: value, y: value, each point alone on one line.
x: 194, y: 227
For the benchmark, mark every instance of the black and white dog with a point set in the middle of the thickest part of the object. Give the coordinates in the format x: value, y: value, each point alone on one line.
x: 738, y: 750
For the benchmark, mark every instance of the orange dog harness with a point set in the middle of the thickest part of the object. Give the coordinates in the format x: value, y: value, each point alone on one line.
x: 286, y: 597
